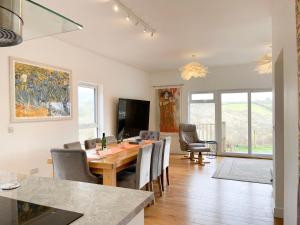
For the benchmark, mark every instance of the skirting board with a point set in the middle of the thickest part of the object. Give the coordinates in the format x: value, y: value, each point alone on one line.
x: 278, y: 213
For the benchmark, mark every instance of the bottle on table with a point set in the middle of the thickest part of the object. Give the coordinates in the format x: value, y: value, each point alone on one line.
x: 103, y: 142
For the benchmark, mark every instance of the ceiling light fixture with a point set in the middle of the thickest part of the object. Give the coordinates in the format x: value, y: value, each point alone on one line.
x: 193, y: 69
x: 134, y: 17
x: 264, y: 65
x: 116, y: 8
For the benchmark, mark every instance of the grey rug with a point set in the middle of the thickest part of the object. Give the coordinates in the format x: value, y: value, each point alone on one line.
x: 248, y: 170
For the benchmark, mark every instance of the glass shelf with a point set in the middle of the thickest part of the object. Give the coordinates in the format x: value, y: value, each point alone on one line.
x: 40, y: 21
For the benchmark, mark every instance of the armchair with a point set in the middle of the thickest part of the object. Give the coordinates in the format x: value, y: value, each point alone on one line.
x: 190, y: 142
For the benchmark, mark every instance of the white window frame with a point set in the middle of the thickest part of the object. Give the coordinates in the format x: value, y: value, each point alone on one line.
x: 190, y: 101
x: 96, y: 107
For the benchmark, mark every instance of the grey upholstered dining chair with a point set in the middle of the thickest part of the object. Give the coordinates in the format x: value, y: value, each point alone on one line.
x: 73, y: 145
x: 141, y: 177
x: 149, y: 135
x: 165, y: 161
x: 92, y: 143
x: 72, y: 165
x: 156, y: 165
x: 111, y: 140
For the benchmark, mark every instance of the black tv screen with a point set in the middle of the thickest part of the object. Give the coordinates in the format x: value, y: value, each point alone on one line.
x: 132, y: 117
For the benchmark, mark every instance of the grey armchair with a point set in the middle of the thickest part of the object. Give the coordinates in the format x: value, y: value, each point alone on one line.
x: 149, y: 135
x: 140, y: 178
x: 165, y: 161
x: 72, y: 165
x: 190, y: 142
x: 73, y: 145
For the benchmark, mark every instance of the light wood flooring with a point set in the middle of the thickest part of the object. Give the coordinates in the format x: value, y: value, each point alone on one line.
x: 194, y: 198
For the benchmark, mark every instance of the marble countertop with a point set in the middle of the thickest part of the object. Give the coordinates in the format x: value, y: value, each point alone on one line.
x: 101, y: 205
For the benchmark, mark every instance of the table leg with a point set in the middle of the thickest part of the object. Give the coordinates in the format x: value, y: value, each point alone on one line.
x: 110, y: 177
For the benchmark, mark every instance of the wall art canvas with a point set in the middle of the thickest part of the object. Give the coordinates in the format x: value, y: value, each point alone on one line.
x: 168, y: 109
x: 39, y: 92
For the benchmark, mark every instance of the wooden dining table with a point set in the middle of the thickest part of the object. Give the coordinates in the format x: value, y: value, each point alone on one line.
x: 114, y: 159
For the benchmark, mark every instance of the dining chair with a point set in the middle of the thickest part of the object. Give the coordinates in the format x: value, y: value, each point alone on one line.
x: 141, y: 177
x: 73, y: 145
x: 72, y: 165
x: 165, y: 161
x: 156, y: 165
x: 92, y: 143
x: 111, y: 140
x: 149, y: 135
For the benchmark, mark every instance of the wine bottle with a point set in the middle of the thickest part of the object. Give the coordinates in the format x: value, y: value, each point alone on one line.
x: 103, y: 141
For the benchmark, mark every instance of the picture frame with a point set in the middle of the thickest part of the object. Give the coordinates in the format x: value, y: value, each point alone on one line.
x: 39, y: 92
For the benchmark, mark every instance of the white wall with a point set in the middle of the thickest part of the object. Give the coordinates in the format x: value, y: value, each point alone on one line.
x: 28, y: 147
x: 284, y: 38
x: 219, y: 78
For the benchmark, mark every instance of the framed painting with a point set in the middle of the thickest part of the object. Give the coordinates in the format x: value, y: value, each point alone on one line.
x: 39, y: 92
x: 168, y: 109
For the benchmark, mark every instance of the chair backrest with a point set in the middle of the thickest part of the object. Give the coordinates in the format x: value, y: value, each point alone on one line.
x: 111, y: 140
x: 187, y: 135
x: 92, y: 143
x: 166, y: 152
x: 72, y: 165
x: 73, y: 145
x: 143, y: 165
x: 156, y: 160
x: 149, y: 135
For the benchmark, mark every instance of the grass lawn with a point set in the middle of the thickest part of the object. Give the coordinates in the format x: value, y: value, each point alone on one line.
x: 255, y: 150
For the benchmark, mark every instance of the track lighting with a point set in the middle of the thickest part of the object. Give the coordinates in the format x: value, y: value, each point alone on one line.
x: 131, y: 16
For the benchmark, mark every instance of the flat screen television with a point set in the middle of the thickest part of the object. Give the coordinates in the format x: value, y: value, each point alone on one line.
x: 132, y: 117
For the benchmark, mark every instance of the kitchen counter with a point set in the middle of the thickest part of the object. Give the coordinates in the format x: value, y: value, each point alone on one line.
x: 101, y: 205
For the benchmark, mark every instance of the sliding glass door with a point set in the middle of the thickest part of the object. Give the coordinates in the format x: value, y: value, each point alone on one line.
x: 235, y: 122
x: 247, y: 122
x: 241, y: 121
x: 261, y: 121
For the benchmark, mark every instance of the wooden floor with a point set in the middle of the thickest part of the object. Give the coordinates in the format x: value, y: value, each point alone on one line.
x: 194, y: 198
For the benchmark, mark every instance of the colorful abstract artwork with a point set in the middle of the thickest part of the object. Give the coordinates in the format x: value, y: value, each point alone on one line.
x: 39, y: 92
x: 168, y: 109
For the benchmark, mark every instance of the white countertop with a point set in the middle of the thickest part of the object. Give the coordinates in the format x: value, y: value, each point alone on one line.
x: 101, y: 205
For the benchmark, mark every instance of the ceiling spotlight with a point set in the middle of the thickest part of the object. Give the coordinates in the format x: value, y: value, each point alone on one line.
x: 128, y: 18
x: 152, y: 34
x: 145, y: 30
x: 116, y: 8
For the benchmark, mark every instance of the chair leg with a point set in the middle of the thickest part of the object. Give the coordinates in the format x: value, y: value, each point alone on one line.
x: 162, y: 179
x: 200, y: 159
x: 187, y: 156
x: 159, y: 186
x: 192, y: 156
x: 167, y: 173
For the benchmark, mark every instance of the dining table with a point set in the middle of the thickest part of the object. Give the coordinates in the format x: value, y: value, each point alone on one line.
x: 113, y: 159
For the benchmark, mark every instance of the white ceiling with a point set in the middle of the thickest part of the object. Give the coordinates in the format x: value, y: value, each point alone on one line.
x: 220, y: 32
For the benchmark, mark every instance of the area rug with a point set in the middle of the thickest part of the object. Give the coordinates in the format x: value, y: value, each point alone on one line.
x: 248, y: 170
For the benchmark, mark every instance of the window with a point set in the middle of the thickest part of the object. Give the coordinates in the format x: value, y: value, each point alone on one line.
x: 87, y: 111
x: 202, y: 113
x: 202, y: 96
